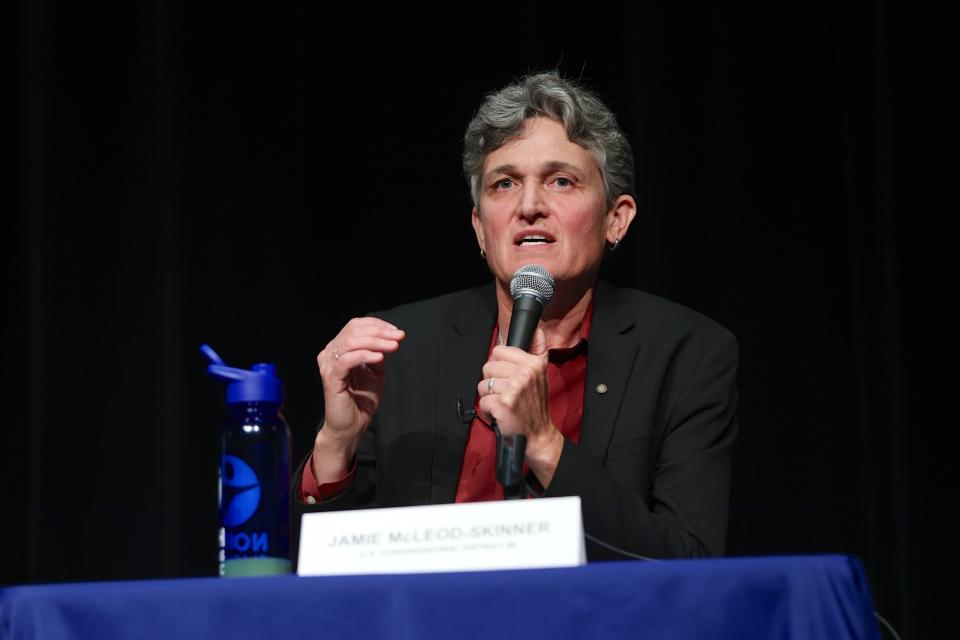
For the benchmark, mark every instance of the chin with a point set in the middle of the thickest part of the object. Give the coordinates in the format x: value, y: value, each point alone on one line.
x: 544, y: 261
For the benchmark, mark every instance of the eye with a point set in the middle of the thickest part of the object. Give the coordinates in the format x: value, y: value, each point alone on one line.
x: 563, y: 182
x: 503, y: 183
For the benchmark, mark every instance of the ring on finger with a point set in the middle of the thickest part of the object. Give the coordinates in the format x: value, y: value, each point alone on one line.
x: 490, y: 385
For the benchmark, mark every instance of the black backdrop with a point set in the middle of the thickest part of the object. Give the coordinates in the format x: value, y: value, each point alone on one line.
x: 254, y: 177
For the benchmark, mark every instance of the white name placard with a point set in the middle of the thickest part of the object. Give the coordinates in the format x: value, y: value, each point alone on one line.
x: 506, y: 534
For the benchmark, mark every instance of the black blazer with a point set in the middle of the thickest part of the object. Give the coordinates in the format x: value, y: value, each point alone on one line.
x: 653, y: 464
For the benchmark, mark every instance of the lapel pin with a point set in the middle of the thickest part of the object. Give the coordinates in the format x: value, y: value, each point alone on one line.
x: 601, y: 388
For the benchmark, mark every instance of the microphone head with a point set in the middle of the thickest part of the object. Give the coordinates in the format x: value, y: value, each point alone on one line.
x: 532, y: 280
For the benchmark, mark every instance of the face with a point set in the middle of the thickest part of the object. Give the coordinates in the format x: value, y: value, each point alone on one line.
x: 542, y: 202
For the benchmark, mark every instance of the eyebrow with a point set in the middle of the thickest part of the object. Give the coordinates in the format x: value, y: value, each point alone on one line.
x: 553, y: 165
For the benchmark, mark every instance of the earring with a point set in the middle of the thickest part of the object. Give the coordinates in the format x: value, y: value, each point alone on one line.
x: 483, y: 254
x: 615, y: 244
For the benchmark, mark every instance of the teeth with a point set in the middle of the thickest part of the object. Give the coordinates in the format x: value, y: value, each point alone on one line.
x: 534, y: 240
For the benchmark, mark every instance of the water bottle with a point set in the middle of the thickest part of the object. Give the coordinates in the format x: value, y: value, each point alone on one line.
x: 254, y: 472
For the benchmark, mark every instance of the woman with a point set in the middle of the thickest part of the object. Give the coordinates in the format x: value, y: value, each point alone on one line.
x: 627, y: 400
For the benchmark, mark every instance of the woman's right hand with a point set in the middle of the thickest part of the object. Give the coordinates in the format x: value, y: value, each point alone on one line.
x: 351, y: 367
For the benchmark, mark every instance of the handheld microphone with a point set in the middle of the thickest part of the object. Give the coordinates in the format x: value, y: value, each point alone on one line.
x: 532, y: 287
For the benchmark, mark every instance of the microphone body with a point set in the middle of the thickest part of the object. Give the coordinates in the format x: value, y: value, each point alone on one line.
x: 523, y: 323
x: 532, y: 287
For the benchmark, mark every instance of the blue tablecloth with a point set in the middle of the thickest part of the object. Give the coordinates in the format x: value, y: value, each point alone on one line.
x: 771, y: 597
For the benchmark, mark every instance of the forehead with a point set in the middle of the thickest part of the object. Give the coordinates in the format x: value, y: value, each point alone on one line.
x: 541, y: 142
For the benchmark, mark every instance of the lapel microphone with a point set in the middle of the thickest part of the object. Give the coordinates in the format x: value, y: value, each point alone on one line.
x: 466, y: 417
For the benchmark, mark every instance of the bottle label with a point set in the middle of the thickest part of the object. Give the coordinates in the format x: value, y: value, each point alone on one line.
x: 241, y: 491
x: 254, y: 508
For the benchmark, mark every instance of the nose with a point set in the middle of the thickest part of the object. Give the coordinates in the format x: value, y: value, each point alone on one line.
x: 532, y: 203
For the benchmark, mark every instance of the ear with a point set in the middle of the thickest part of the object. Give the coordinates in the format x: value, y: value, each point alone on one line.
x: 478, y: 228
x: 619, y: 217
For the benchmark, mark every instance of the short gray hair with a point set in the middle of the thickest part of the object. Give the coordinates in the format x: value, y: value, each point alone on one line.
x: 588, y: 121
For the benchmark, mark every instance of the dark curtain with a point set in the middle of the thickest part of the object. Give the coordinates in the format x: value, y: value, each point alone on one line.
x: 253, y: 177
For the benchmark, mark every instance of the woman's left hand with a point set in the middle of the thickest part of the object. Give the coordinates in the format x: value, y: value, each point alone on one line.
x: 514, y: 393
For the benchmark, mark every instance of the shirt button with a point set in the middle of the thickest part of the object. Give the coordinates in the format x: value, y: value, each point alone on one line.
x: 311, y: 500
x: 601, y: 388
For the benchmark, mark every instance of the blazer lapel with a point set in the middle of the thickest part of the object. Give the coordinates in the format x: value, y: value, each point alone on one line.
x: 463, y: 350
x: 611, y: 354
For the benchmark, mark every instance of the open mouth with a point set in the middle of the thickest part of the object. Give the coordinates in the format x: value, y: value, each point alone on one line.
x: 528, y: 241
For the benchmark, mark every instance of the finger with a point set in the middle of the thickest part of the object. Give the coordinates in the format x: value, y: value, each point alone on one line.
x: 385, y: 332
x: 369, y: 327
x: 488, y: 385
x: 337, y: 374
x: 538, y: 346
x: 512, y: 354
x: 520, y: 367
x: 506, y: 376
x: 492, y: 407
x: 384, y: 339
x: 369, y: 343
x: 332, y: 367
x: 335, y: 363
x: 499, y: 369
x: 353, y: 359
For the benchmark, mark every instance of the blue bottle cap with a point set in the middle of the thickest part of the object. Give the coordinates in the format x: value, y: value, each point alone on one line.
x: 259, y: 384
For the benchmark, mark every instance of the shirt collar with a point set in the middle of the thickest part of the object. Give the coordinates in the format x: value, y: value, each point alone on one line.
x: 563, y: 353
x: 567, y: 353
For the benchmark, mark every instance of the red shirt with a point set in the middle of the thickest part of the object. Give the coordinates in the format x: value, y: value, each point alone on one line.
x: 566, y: 377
